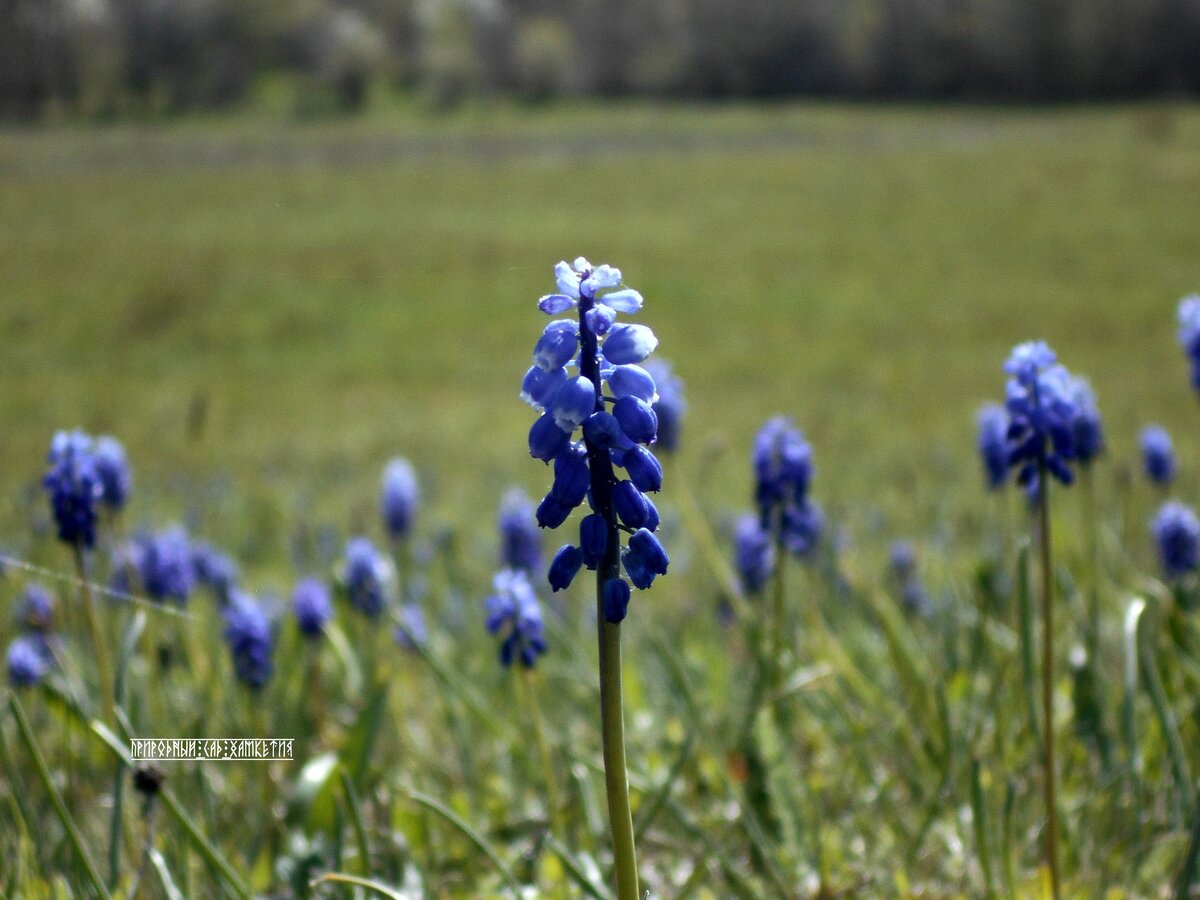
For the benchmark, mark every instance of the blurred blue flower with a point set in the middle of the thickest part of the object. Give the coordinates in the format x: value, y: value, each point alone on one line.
x: 214, y: 570
x: 115, y: 476
x: 35, y: 610
x: 74, y: 487
x: 1087, y: 429
x: 514, y: 615
x: 1189, y: 333
x: 1041, y: 409
x: 902, y: 563
x: 670, y: 406
x: 250, y: 637
x: 783, y: 471
x: 411, y: 631
x: 520, y: 540
x: 1177, y: 533
x: 312, y: 606
x: 28, y: 660
x: 1158, y: 455
x: 399, y: 498
x: 366, y: 575
x: 993, y: 444
x: 902, y: 560
x: 753, y: 553
x: 166, y: 565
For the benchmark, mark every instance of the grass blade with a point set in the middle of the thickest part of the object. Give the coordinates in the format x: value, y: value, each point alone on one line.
x: 360, y: 832
x: 474, y: 836
x: 575, y: 870
x: 60, y: 807
x: 339, y: 878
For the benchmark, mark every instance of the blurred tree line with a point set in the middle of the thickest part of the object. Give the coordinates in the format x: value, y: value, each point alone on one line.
x: 139, y: 57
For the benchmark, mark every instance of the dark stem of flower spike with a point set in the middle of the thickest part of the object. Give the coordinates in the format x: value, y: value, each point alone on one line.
x: 612, y: 722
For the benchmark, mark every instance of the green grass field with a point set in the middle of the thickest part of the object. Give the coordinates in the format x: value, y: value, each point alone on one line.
x: 265, y: 312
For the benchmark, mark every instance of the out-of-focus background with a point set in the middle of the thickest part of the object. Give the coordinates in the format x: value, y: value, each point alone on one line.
x: 271, y: 244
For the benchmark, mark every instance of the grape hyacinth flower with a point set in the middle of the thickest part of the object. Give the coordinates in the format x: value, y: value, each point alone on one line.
x: 115, y: 476
x: 514, y: 615
x: 28, y: 660
x: 36, y: 608
x: 1041, y: 444
x: 574, y: 361
x: 670, y: 406
x: 411, y: 631
x: 366, y: 575
x: 1086, y: 427
x: 1042, y: 412
x: 399, y: 498
x: 74, y: 486
x: 312, y: 606
x: 214, y: 570
x: 993, y: 444
x: 902, y: 563
x: 520, y: 541
x: 753, y: 553
x: 251, y: 640
x: 1158, y: 455
x: 166, y: 565
x: 1177, y: 534
x: 1189, y: 333
x: 783, y: 472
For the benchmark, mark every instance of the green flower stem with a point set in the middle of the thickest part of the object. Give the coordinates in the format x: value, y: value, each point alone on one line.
x: 612, y: 724
x: 539, y: 734
x: 1048, y: 775
x: 102, y: 666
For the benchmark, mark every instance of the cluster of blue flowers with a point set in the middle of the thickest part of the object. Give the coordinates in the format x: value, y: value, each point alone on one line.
x: 993, y: 444
x: 1042, y: 413
x: 902, y: 563
x: 1177, y: 534
x: 670, y: 407
x: 514, y: 615
x: 250, y: 636
x: 312, y: 606
x: 783, y: 471
x: 399, y: 498
x: 30, y: 655
x: 753, y: 553
x: 573, y: 360
x: 520, y: 540
x: 367, y: 576
x: 1189, y: 333
x: 83, y: 476
x: 1158, y: 455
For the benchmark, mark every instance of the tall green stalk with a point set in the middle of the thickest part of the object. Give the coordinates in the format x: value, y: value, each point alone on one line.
x: 102, y: 667
x: 1048, y: 767
x: 612, y: 726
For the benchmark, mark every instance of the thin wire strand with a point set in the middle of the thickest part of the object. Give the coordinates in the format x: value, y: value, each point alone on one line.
x: 67, y: 578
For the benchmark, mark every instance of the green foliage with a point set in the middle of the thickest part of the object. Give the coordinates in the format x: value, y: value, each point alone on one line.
x: 863, y: 270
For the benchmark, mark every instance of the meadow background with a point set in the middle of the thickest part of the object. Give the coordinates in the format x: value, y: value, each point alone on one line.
x: 265, y: 310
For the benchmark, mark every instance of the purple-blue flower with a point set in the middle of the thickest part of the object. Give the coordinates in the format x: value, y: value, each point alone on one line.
x: 1189, y: 333
x: 1087, y: 429
x: 753, y: 553
x: 587, y: 375
x: 411, y: 631
x: 74, y: 487
x: 35, y: 610
x: 514, y: 615
x: 1177, y: 533
x: 399, y: 497
x: 312, y: 606
x: 251, y: 640
x: 28, y: 660
x: 116, y: 478
x: 670, y: 407
x: 783, y: 472
x: 1041, y: 409
x: 520, y: 540
x: 1158, y: 455
x: 993, y: 444
x: 214, y: 570
x: 902, y: 562
x: 366, y: 575
x: 166, y: 565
